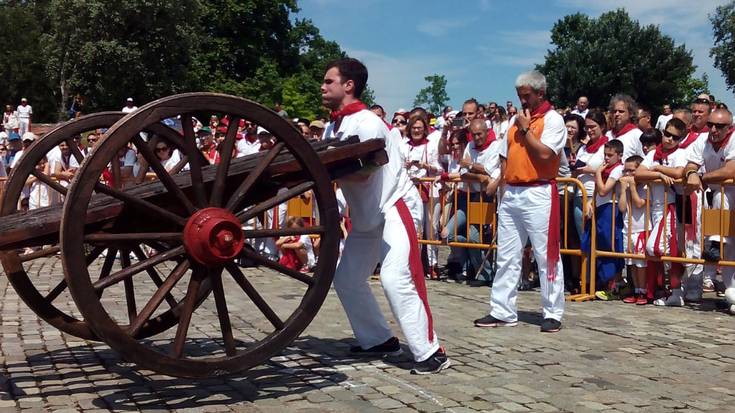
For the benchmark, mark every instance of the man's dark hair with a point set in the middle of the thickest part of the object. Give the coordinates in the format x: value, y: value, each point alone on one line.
x: 472, y: 100
x: 615, y: 145
x: 351, y: 69
x: 419, y: 111
x: 377, y: 107
x: 650, y: 137
x: 581, y: 132
x: 635, y: 158
x: 481, y: 107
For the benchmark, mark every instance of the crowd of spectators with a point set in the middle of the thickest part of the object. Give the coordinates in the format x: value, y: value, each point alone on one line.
x: 629, y: 168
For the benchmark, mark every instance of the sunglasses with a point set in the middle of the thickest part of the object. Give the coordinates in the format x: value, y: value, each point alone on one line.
x: 717, y: 125
x: 701, y: 101
x: 671, y: 135
x: 400, y: 122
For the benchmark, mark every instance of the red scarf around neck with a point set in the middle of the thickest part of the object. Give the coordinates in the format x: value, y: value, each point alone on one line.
x: 721, y: 144
x: 625, y: 129
x: 541, y: 110
x: 413, y: 143
x: 691, y: 137
x: 662, y: 154
x: 607, y: 171
x: 489, y: 139
x: 353, y: 107
x: 594, y: 147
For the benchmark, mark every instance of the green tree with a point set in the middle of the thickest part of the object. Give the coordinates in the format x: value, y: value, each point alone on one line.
x: 723, y: 25
x: 434, y: 96
x: 368, y: 96
x: 598, y: 57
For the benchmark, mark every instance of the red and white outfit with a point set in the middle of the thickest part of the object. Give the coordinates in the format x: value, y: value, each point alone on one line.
x: 704, y: 153
x: 24, y: 113
x: 635, y: 226
x: 385, y: 211
x: 693, y: 272
x: 630, y: 136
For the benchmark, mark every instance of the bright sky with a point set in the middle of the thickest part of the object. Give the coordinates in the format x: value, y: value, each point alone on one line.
x: 482, y: 45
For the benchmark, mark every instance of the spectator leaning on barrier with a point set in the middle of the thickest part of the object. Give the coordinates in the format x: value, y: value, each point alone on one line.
x: 716, y: 154
x: 530, y: 207
x: 632, y: 204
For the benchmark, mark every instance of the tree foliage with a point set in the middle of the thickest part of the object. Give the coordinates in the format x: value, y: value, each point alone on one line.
x: 434, y: 96
x: 107, y: 51
x: 723, y: 25
x: 598, y: 57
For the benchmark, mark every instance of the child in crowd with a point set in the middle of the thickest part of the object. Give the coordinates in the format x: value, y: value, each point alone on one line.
x: 649, y: 140
x: 632, y: 203
x: 609, y: 221
x: 666, y: 163
x: 297, y: 251
x: 39, y: 192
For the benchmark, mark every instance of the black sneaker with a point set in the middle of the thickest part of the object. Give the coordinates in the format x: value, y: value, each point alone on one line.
x: 550, y: 326
x: 490, y: 321
x: 390, y: 348
x: 479, y: 283
x: 434, y: 364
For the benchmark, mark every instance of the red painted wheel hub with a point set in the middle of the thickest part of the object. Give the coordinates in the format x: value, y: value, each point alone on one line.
x: 213, y: 236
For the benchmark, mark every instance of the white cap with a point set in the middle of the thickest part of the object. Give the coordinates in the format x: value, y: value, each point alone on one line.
x: 129, y: 99
x: 29, y: 136
x: 23, y: 100
x: 452, y: 113
x: 262, y: 130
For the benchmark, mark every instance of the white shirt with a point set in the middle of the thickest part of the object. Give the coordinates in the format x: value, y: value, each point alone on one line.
x: 593, y: 160
x: 702, y: 153
x: 128, y: 109
x: 615, y: 175
x: 245, y: 147
x: 16, y: 158
x: 582, y: 113
x: 488, y: 158
x: 370, y: 199
x: 24, y: 112
x: 306, y: 240
x: 631, y: 143
x: 636, y: 216
x: 676, y: 159
x: 662, y: 121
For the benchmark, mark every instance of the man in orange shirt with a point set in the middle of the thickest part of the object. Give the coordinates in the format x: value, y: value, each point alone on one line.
x: 529, y: 208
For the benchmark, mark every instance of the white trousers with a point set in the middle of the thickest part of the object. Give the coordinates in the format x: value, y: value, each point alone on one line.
x: 390, y: 245
x: 523, y: 214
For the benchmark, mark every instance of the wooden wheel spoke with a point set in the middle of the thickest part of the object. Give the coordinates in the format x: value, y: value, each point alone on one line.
x: 128, y: 272
x: 163, y: 291
x: 276, y: 200
x: 188, y: 309
x: 107, y: 267
x: 154, y: 275
x: 134, y: 236
x: 162, y: 174
x: 306, y: 279
x: 43, y: 252
x: 224, y: 165
x: 78, y: 156
x: 61, y: 286
x: 239, y: 195
x: 275, y: 233
x: 195, y: 166
x: 222, y: 313
x: 128, y: 283
x: 254, y: 296
x: 140, y: 204
x: 49, y: 181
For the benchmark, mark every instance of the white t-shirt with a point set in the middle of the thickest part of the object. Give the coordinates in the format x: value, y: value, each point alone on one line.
x: 245, y: 147
x: 662, y: 121
x: 24, y: 112
x: 128, y: 109
x: 16, y: 158
x: 615, y: 175
x: 306, y: 240
x: 488, y: 158
x: 370, y: 199
x: 631, y: 143
x: 582, y: 113
x: 637, y: 216
x: 593, y: 160
x: 676, y: 159
x: 703, y: 154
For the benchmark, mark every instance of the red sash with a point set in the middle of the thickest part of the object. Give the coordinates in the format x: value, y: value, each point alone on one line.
x: 691, y: 137
x: 625, y: 129
x: 593, y: 148
x: 721, y: 144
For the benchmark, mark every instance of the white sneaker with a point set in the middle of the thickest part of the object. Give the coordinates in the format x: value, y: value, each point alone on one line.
x: 732, y: 309
x: 674, y: 300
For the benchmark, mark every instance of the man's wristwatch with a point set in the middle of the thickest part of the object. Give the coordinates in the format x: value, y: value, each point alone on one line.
x: 524, y: 131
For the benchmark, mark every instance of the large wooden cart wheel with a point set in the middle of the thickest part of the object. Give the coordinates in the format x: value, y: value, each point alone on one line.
x: 198, y: 217
x: 35, y: 291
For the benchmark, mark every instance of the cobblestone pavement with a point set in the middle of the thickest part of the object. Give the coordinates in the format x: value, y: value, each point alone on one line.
x: 609, y: 357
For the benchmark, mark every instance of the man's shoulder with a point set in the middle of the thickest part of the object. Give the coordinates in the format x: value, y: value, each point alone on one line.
x: 553, y: 118
x: 369, y: 125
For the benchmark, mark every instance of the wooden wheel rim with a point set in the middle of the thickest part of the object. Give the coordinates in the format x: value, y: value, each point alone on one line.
x: 11, y: 260
x: 72, y: 232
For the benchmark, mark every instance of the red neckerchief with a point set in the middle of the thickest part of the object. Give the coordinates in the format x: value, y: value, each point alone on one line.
x: 488, y: 140
x: 597, y: 145
x: 606, y: 172
x: 627, y: 128
x: 721, y: 144
x: 414, y: 144
x: 661, y: 154
x: 691, y: 137
x: 541, y: 110
x: 353, y: 107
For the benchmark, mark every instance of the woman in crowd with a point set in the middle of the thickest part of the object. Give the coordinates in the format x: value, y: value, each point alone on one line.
x: 588, y: 159
x: 400, y: 122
